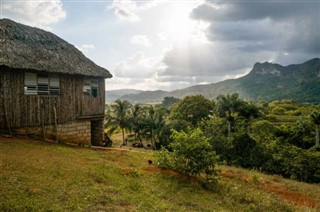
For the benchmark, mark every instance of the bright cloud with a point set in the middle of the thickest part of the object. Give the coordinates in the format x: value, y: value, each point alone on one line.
x: 138, y: 66
x: 86, y: 47
x: 140, y: 40
x: 127, y: 9
x: 36, y: 13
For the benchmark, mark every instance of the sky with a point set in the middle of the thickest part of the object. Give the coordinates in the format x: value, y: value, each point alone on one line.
x: 168, y: 45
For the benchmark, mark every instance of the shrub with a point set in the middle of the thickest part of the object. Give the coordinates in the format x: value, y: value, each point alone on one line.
x: 191, y: 154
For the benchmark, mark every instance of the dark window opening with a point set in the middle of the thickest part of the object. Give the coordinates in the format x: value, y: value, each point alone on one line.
x: 91, y: 87
x: 94, y: 88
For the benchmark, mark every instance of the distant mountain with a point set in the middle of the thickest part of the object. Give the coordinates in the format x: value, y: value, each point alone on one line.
x: 146, y: 97
x: 266, y: 81
x: 112, y: 95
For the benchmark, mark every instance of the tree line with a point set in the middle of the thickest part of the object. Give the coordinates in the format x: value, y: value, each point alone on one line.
x: 279, y: 137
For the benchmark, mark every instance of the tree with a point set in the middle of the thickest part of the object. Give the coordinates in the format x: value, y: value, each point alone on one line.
x: 215, y: 128
x: 119, y: 116
x: 169, y: 101
x: 249, y: 111
x: 192, y: 109
x: 263, y: 132
x: 227, y: 107
x: 155, y: 122
x: 315, y: 119
x: 160, y: 130
x: 136, y: 121
x: 150, y: 123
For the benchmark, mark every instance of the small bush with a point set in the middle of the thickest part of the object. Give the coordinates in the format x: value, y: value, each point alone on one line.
x: 191, y: 154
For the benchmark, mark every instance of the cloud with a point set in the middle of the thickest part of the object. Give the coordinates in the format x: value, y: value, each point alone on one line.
x: 209, y: 60
x: 224, y: 11
x: 290, y: 26
x: 240, y: 33
x: 126, y: 9
x: 86, y: 47
x: 140, y: 40
x: 138, y: 66
x: 162, y: 36
x: 36, y: 13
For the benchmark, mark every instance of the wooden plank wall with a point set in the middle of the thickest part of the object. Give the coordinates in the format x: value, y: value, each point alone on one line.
x: 26, y: 110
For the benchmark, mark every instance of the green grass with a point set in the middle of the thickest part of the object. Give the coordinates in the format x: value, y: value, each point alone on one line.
x: 36, y: 175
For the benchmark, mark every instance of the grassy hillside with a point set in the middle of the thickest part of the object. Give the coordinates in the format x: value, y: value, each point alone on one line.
x: 36, y: 175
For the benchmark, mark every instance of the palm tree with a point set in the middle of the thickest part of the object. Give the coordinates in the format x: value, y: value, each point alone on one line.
x: 155, y: 122
x: 160, y: 124
x: 150, y: 123
x: 227, y: 107
x: 136, y: 121
x: 315, y: 118
x: 249, y: 111
x: 118, y: 117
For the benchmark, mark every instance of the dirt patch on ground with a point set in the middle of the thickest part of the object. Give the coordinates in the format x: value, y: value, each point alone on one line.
x: 289, y: 195
x: 276, y: 188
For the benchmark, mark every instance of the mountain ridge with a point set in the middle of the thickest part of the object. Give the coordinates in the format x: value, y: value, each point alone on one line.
x: 266, y: 81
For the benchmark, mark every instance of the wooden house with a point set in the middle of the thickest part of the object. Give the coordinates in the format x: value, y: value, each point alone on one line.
x: 48, y: 87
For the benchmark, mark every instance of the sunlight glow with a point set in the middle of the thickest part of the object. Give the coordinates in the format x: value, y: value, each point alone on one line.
x: 180, y: 27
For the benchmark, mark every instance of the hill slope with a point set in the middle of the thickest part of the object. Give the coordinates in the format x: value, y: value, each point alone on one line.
x: 266, y: 81
x: 112, y: 95
x: 37, y: 176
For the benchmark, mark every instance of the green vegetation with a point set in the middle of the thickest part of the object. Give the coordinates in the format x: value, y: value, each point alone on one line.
x: 279, y: 137
x: 315, y: 118
x: 40, y: 176
x: 191, y: 154
x: 118, y: 117
x: 145, y: 122
x: 192, y: 109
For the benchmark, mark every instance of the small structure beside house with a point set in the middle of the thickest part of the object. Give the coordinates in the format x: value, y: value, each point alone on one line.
x: 48, y: 87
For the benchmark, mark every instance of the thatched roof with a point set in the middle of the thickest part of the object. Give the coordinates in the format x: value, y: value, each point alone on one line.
x: 25, y: 47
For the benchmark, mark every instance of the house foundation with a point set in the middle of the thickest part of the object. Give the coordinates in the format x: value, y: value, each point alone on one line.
x: 78, y: 132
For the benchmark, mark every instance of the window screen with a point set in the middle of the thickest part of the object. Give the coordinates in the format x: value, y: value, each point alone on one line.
x: 86, y: 87
x: 30, y: 83
x: 41, y: 84
x: 54, y: 86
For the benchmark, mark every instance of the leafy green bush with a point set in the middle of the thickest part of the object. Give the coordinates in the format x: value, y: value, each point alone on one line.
x: 191, y: 154
x: 295, y: 163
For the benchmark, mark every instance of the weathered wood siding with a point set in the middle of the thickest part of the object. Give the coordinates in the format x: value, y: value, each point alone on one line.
x: 22, y: 110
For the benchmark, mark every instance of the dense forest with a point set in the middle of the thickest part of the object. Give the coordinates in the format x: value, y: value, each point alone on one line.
x: 279, y: 137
